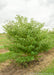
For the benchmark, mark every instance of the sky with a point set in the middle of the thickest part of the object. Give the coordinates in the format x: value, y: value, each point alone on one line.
x: 40, y: 10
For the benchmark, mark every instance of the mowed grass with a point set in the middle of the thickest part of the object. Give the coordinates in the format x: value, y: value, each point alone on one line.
x: 3, y: 40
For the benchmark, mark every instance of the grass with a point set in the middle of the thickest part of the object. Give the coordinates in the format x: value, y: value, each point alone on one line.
x: 1, y: 46
x: 50, y: 69
x: 3, y: 40
x: 6, y: 56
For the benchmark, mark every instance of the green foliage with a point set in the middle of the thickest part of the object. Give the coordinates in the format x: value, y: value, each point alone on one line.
x: 24, y: 59
x: 28, y: 38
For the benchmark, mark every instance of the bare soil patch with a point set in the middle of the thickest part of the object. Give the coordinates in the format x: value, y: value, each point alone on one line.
x: 44, y: 61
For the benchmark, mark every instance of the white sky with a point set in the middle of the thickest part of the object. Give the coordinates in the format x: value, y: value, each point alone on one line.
x: 40, y: 10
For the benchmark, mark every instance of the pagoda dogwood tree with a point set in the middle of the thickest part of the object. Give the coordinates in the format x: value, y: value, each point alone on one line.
x: 26, y: 38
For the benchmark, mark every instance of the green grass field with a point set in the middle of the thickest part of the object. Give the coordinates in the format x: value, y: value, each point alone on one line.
x: 6, y: 56
x: 3, y: 40
x: 10, y: 55
x: 48, y: 70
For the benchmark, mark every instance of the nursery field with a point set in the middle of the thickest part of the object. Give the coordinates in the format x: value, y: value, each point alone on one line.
x: 44, y: 67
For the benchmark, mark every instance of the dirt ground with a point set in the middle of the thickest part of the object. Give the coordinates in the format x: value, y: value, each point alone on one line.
x: 44, y: 61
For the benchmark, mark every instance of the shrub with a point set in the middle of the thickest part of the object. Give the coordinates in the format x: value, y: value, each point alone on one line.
x: 27, y: 38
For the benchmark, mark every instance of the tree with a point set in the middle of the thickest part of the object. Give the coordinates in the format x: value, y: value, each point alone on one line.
x: 26, y: 38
